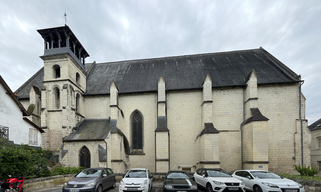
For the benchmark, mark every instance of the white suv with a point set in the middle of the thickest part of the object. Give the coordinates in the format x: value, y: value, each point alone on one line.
x: 138, y: 179
x: 217, y: 180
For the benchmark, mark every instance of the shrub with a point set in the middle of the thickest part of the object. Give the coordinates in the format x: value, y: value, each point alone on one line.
x: 60, y: 170
x: 306, y: 171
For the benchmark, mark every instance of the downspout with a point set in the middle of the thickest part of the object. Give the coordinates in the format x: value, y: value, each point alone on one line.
x: 300, y: 118
x: 106, y: 154
x: 242, y: 129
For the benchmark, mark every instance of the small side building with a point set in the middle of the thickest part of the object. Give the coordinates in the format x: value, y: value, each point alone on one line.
x: 16, y: 124
x: 315, y: 129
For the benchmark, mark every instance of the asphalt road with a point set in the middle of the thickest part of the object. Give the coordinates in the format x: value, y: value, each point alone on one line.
x: 58, y: 189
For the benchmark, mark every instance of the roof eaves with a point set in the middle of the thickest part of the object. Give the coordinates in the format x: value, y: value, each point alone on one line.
x: 13, y: 96
x: 33, y: 124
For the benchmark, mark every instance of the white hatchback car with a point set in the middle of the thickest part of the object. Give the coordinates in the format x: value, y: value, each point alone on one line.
x: 265, y: 181
x: 217, y: 180
x: 138, y: 179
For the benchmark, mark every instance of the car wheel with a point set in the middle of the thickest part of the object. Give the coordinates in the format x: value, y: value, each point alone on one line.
x: 100, y: 188
x: 209, y: 188
x: 257, y: 188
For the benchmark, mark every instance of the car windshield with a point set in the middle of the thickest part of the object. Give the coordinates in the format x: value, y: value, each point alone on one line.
x: 89, y: 173
x: 136, y: 174
x: 264, y: 175
x: 217, y: 173
x: 177, y: 175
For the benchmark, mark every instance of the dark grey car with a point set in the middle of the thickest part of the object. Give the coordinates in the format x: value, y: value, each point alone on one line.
x: 91, y: 180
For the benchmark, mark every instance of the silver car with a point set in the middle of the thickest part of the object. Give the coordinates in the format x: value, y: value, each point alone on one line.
x: 265, y: 181
x: 91, y: 180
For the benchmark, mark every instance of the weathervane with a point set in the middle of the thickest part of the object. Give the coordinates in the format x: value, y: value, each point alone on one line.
x: 65, y: 15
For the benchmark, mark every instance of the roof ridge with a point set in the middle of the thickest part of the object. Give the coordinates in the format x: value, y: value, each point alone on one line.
x: 178, y: 56
x: 23, y: 85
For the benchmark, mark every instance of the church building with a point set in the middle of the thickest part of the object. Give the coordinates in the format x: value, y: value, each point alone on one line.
x: 234, y: 110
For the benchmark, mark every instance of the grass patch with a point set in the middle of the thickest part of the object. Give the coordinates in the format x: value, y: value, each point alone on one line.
x: 307, y: 178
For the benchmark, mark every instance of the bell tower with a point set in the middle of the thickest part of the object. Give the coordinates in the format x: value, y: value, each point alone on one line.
x: 63, y: 85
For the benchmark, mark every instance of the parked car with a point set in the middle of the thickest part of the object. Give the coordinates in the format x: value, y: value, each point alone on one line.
x: 265, y: 181
x: 91, y: 180
x: 138, y: 179
x: 178, y: 181
x: 217, y: 180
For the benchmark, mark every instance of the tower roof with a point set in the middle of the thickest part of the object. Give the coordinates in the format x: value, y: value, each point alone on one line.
x: 61, y: 40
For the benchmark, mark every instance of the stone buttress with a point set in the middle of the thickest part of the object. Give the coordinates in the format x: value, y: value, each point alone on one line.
x: 255, y: 129
x: 209, y: 137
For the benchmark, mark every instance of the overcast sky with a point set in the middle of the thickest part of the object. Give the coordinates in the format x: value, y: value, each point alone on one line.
x: 125, y: 30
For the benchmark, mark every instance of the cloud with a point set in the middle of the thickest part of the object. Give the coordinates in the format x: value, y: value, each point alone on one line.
x: 124, y: 30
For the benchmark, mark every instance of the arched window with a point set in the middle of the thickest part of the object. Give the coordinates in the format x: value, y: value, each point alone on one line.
x: 84, y: 157
x: 137, y: 131
x: 57, y: 98
x: 77, y: 102
x: 77, y: 78
x: 56, y: 71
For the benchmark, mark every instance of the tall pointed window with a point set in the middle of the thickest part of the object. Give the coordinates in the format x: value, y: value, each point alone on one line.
x: 137, y: 131
x: 57, y: 98
x: 84, y: 157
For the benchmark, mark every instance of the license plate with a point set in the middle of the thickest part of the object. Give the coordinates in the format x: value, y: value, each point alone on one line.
x: 132, y: 189
x: 181, y: 191
x: 73, y: 190
x: 290, y: 190
x: 233, y: 189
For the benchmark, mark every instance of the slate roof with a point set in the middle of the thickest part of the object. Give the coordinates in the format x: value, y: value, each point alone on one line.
x: 90, y: 129
x: 315, y: 126
x: 182, y: 72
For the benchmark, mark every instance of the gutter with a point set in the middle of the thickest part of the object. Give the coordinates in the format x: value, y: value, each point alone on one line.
x: 300, y: 118
x: 242, y: 160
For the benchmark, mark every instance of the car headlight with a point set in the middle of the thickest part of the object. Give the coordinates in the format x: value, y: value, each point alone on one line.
x: 300, y: 185
x: 218, y: 182
x: 66, y: 184
x: 168, y: 187
x: 270, y: 185
x: 121, y: 184
x: 90, y: 184
x: 145, y: 182
x: 193, y: 187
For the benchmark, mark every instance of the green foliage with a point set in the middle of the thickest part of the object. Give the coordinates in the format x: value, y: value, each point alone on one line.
x: 59, y: 170
x: 16, y: 160
x: 301, y: 177
x: 306, y: 171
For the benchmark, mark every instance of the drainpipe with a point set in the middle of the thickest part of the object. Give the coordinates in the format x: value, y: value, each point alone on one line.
x: 242, y: 129
x: 300, y: 117
x: 106, y: 154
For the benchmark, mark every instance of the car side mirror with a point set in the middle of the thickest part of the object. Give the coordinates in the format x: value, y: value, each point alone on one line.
x: 163, y: 177
x: 104, y: 175
x: 151, y: 176
x: 204, y: 175
x: 249, y: 177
